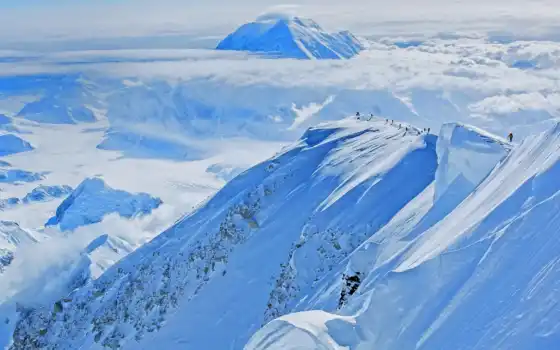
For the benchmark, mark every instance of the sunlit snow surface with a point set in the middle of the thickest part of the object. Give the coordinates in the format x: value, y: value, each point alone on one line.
x: 457, y: 210
x: 482, y: 277
x: 284, y: 36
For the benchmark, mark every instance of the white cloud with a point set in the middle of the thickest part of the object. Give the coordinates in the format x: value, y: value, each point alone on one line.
x: 80, y: 20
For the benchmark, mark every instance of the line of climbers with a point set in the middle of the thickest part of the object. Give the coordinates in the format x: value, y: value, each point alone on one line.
x: 426, y: 130
x: 387, y: 121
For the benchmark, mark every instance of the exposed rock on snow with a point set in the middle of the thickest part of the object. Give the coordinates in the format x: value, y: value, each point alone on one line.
x: 291, y: 37
x: 10, y: 144
x: 93, y: 199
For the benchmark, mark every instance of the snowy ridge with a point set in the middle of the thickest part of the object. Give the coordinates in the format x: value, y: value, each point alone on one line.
x: 247, y: 233
x: 448, y: 287
x: 291, y: 37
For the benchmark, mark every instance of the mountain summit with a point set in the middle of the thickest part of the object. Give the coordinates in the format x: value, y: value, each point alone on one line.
x: 291, y: 37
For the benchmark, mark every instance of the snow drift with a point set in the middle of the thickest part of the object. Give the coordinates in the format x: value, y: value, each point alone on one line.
x: 291, y: 37
x: 256, y: 248
x: 93, y: 199
x: 482, y: 277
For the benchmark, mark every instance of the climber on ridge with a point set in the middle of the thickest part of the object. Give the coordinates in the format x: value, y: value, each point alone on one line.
x: 510, y: 137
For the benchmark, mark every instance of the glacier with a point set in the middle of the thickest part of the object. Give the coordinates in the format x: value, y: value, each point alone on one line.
x: 285, y: 36
x: 93, y: 199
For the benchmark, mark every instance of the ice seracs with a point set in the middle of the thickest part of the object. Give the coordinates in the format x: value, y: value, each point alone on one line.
x: 291, y: 37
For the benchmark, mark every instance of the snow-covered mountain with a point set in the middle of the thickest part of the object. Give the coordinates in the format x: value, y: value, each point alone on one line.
x: 316, y: 248
x: 397, y: 239
x: 234, y: 252
x: 287, y: 36
x: 41, y: 193
x: 10, y: 144
x: 482, y: 276
x: 93, y: 199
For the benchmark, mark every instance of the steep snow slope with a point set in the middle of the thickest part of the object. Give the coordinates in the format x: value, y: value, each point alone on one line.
x: 465, y: 156
x: 93, y: 199
x: 483, y: 277
x: 255, y: 249
x: 291, y: 37
x: 10, y: 144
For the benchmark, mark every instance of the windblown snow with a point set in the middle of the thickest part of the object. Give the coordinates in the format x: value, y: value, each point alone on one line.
x: 287, y: 36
